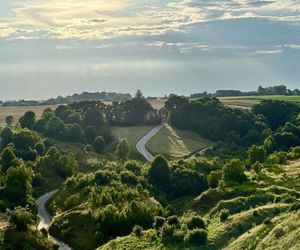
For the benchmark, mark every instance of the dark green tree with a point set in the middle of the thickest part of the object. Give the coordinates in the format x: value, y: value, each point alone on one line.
x: 99, y: 144
x: 6, y: 136
x: 9, y: 120
x: 159, y: 172
x: 28, y: 120
x: 233, y: 172
x: 8, y: 159
x: 256, y: 154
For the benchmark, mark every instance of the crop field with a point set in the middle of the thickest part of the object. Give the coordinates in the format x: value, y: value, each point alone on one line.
x: 250, y: 101
x: 18, y: 111
x: 175, y: 143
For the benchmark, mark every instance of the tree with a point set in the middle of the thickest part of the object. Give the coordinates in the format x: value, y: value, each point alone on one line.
x: 26, y: 139
x: 55, y: 126
x: 122, y: 150
x: 40, y: 148
x: 6, y: 136
x: 94, y: 118
x: 159, y: 172
x: 9, y: 120
x: 73, y: 118
x: 99, y: 144
x: 90, y: 134
x: 28, y: 120
x: 256, y: 154
x: 8, y: 159
x: 21, y: 217
x: 233, y: 172
x: 18, y: 185
x: 74, y: 133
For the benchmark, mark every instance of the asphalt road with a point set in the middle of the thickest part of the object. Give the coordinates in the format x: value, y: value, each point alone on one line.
x: 141, y: 145
x: 46, y: 219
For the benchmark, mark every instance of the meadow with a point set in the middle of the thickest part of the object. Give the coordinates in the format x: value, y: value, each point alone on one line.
x: 175, y: 143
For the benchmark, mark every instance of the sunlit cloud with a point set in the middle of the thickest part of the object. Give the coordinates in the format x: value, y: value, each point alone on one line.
x: 92, y: 19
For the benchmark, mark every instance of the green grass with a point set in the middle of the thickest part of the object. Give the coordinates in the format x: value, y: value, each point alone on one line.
x: 133, y: 135
x: 175, y: 143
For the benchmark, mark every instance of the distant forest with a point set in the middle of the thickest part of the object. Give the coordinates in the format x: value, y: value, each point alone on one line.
x: 273, y: 90
x: 85, y: 96
x: 120, y: 97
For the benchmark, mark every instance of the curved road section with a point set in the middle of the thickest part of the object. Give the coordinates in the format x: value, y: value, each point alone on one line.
x: 46, y: 219
x: 141, y: 145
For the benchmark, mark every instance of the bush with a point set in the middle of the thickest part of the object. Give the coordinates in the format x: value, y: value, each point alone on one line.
x: 158, y: 222
x: 278, y: 232
x: 129, y: 178
x: 167, y: 232
x: 137, y: 230
x: 195, y: 222
x: 224, y: 214
x: 133, y: 167
x: 233, y: 172
x: 21, y: 217
x: 214, y: 179
x: 196, y: 237
x: 173, y: 220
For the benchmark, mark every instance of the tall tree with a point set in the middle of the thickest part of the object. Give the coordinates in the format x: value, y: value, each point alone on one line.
x: 28, y: 120
x: 122, y: 150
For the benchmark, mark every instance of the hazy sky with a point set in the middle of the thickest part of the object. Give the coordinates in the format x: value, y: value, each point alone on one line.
x: 57, y: 47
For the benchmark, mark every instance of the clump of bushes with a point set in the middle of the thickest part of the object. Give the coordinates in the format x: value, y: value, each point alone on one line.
x: 224, y: 214
x: 137, y: 230
x: 195, y: 222
x: 196, y: 237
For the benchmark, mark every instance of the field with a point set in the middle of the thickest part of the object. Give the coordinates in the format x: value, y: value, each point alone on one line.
x: 175, y: 143
x: 249, y: 101
x: 18, y: 111
x: 239, y: 101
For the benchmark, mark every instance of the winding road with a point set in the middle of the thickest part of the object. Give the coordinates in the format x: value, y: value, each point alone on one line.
x: 141, y: 145
x: 45, y: 217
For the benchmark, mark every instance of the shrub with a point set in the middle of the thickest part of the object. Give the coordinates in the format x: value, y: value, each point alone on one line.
x: 278, y: 232
x: 195, y: 222
x: 133, y: 167
x: 234, y: 172
x: 158, y: 222
x: 167, y: 232
x: 129, y: 178
x: 196, y: 237
x: 224, y: 214
x: 137, y: 230
x: 173, y: 220
x: 40, y: 148
x: 214, y: 179
x: 21, y: 217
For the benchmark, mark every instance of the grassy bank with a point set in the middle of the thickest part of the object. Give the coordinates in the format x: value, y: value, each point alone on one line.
x: 175, y: 143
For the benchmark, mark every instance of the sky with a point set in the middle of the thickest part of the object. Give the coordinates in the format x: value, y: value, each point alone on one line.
x: 60, y: 47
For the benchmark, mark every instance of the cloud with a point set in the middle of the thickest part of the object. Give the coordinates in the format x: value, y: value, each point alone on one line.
x: 91, y: 19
